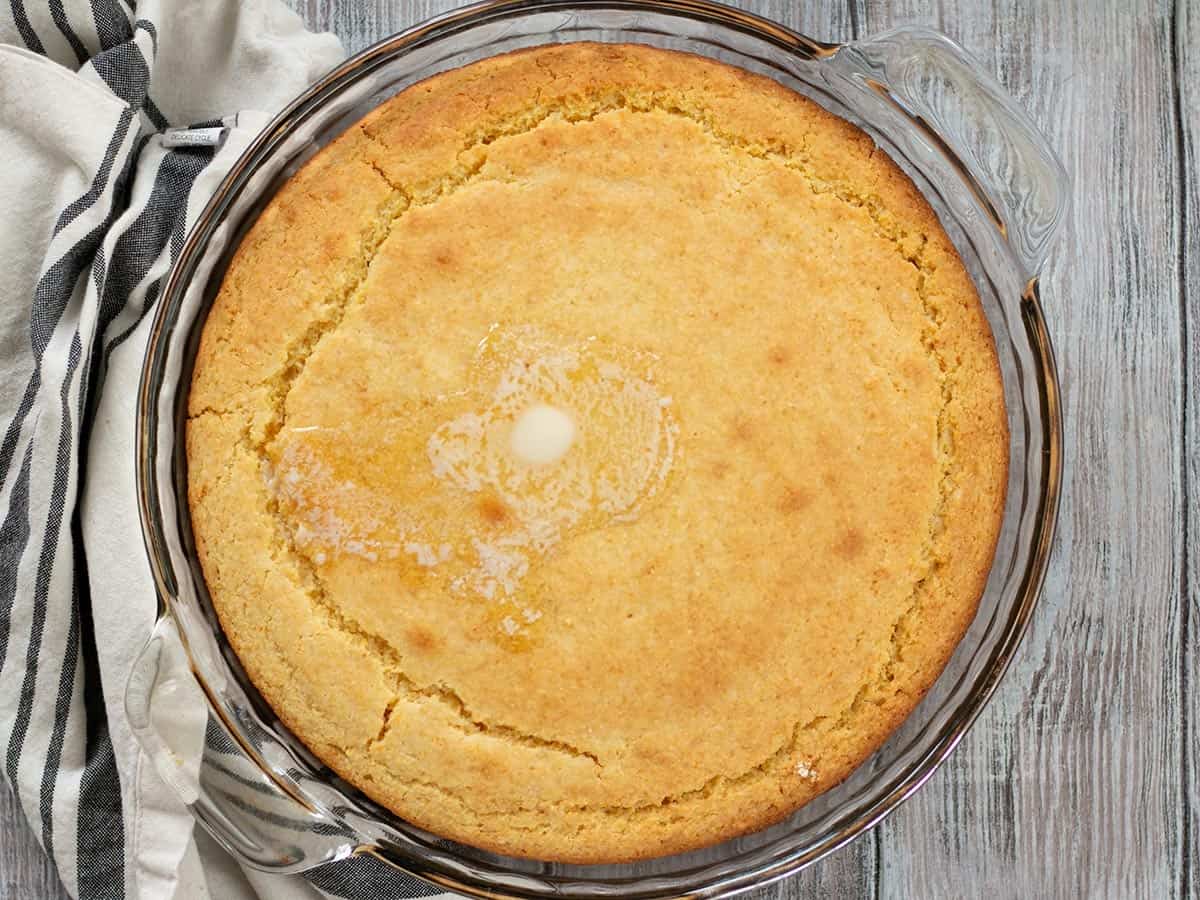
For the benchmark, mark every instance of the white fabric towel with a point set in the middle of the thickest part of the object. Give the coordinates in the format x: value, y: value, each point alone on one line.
x: 95, y: 208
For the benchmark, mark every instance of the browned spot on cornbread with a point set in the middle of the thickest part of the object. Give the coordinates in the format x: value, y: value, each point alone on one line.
x: 422, y: 640
x: 742, y: 429
x: 779, y: 355
x: 492, y: 509
x: 794, y: 500
x: 654, y: 684
x: 850, y: 545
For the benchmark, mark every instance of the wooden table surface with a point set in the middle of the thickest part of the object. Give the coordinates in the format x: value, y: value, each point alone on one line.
x: 1081, y: 778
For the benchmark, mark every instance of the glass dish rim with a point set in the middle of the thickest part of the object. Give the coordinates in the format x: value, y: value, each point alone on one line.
x: 1047, y: 493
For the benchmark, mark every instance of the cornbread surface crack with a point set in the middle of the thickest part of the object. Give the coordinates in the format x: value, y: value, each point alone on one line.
x: 770, y: 533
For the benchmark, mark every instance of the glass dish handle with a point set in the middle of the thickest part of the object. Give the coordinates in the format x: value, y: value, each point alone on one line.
x: 228, y: 792
x: 963, y: 112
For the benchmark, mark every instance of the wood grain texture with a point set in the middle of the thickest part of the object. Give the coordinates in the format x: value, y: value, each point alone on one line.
x: 1187, y: 95
x: 1082, y: 778
x: 25, y: 872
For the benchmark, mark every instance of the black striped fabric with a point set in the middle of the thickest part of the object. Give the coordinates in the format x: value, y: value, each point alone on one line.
x: 107, y: 254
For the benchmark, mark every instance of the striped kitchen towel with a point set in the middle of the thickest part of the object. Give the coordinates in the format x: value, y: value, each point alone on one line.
x: 95, y: 205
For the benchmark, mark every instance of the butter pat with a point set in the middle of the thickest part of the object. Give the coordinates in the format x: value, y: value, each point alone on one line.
x: 542, y: 435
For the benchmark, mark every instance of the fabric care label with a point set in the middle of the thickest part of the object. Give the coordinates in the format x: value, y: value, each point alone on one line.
x: 194, y: 137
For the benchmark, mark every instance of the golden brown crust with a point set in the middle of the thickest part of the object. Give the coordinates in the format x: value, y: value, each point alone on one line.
x: 748, y: 633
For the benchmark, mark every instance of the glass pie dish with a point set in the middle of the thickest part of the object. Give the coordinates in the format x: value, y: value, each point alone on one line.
x: 1001, y: 195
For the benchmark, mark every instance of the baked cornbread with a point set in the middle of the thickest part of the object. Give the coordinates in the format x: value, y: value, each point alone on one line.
x: 596, y: 452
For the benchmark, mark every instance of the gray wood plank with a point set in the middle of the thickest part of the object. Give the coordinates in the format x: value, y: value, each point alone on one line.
x: 1187, y: 58
x: 25, y: 872
x: 1069, y: 784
